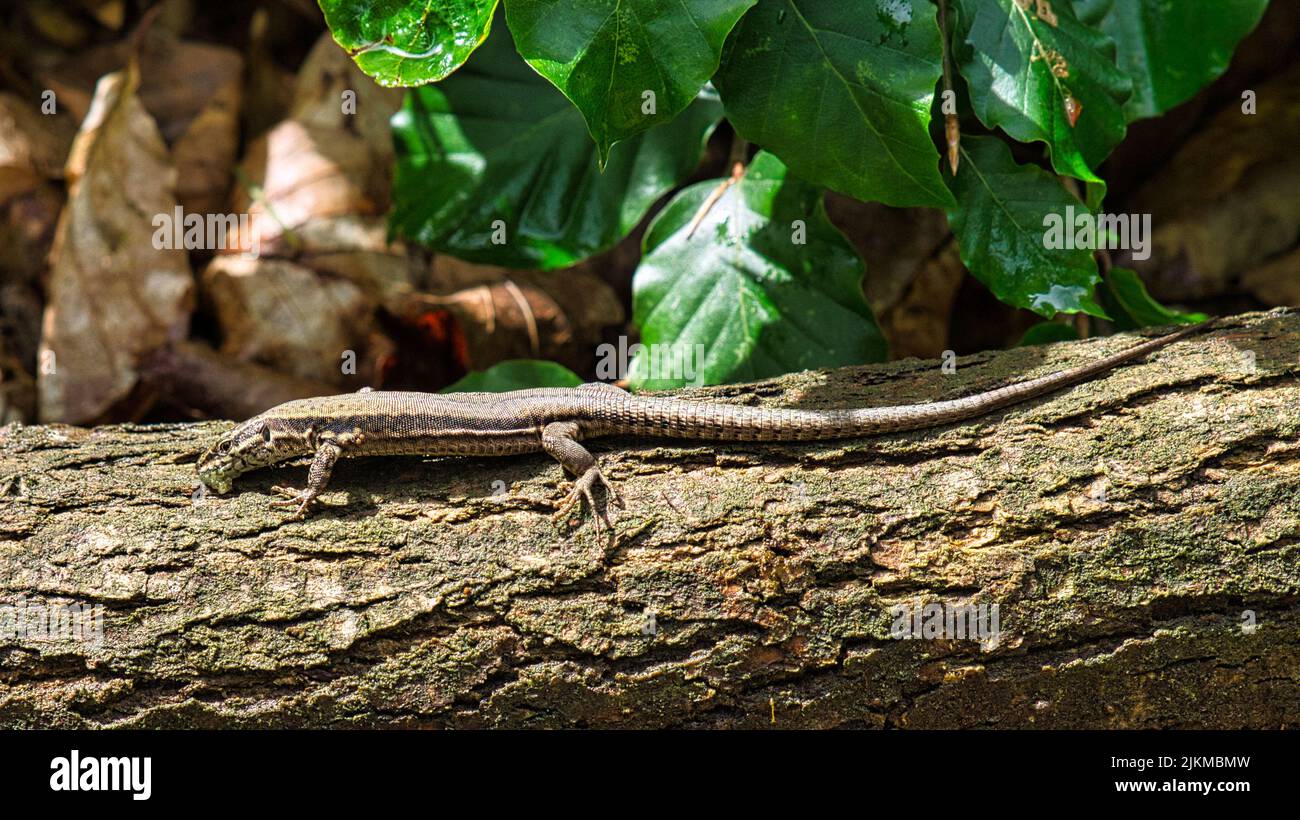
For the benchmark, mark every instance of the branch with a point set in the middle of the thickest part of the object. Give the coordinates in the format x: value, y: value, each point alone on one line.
x: 1122, y: 527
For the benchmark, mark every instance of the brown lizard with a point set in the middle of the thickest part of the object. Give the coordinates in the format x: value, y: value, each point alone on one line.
x: 372, y: 423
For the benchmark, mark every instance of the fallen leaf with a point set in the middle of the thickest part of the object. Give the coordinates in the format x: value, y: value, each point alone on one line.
x: 33, y: 149
x: 283, y: 315
x: 513, y: 314
x: 112, y: 295
x: 356, y: 248
x: 1210, y: 230
x: 32, y: 141
x: 323, y: 161
x: 193, y: 92
x: 315, y: 188
x: 205, y: 152
x: 17, y: 388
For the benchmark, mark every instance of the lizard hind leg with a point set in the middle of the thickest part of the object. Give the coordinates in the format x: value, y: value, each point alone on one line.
x: 560, y: 440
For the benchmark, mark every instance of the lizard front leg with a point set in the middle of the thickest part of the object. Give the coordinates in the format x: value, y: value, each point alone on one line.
x: 560, y: 439
x: 328, y: 451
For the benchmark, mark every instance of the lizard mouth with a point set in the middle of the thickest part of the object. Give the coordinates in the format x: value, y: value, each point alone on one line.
x: 220, y: 487
x: 217, y: 471
x: 216, y: 483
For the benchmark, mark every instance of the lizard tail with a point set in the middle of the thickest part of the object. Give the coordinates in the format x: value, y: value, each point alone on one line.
x: 652, y: 416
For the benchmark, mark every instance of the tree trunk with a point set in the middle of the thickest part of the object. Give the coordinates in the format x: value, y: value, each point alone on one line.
x: 1139, y: 536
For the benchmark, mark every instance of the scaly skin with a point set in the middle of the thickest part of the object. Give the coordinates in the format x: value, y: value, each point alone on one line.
x: 555, y: 420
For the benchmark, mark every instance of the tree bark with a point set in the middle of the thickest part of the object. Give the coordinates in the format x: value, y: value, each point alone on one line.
x: 1139, y: 535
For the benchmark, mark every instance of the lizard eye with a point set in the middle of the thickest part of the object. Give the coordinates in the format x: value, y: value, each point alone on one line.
x: 266, y: 434
x: 223, y: 447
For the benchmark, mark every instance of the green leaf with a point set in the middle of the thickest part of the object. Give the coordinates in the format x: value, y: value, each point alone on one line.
x: 1045, y: 333
x: 1007, y: 56
x: 1091, y: 12
x: 1135, y: 306
x: 742, y: 288
x: 1000, y: 223
x: 516, y: 374
x: 497, y: 142
x: 1172, y: 50
x: 408, y: 42
x: 605, y: 55
x: 842, y: 92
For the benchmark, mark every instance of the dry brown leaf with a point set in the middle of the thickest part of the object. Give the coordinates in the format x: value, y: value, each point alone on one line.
x: 32, y: 141
x: 300, y: 173
x: 357, y: 249
x: 321, y: 162
x: 511, y: 314
x: 177, y: 77
x: 193, y: 92
x: 315, y: 188
x: 29, y: 210
x: 285, y: 316
x: 33, y: 148
x: 325, y: 75
x: 205, y: 152
x: 268, y: 88
x: 1212, y: 228
x: 17, y: 389
x: 112, y: 295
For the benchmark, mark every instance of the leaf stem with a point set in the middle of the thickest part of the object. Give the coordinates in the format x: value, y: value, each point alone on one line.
x: 951, y: 124
x: 737, y: 158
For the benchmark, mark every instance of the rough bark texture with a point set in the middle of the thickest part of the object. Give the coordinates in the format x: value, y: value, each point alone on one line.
x: 1122, y: 527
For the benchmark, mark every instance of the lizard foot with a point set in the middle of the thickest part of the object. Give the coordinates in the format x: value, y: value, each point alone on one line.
x: 302, y: 498
x: 582, y: 490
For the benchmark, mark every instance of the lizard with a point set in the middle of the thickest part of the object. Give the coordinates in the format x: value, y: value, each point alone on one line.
x: 556, y: 420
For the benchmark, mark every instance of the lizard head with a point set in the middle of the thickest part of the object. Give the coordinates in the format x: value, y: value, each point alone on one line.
x: 251, y: 445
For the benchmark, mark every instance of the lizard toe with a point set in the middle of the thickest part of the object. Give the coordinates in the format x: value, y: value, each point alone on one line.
x: 302, y: 499
x: 581, y: 492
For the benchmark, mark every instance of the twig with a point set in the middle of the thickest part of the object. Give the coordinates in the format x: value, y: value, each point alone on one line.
x: 739, y: 152
x: 530, y: 319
